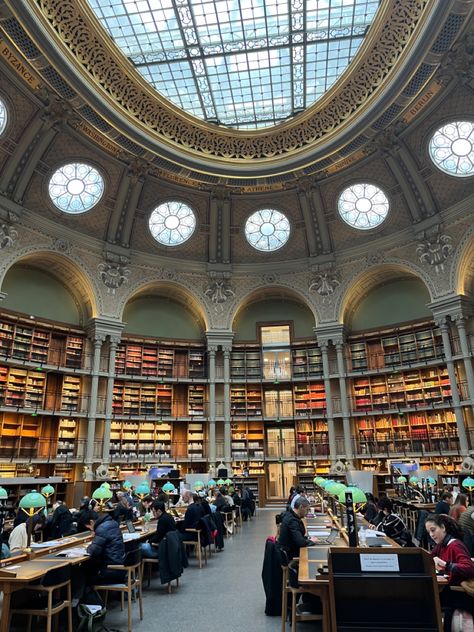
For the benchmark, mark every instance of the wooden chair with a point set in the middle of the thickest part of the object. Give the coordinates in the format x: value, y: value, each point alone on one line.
x: 237, y: 516
x: 197, y: 545
x: 286, y: 590
x: 149, y: 562
x: 132, y: 587
x: 57, y: 579
x: 228, y: 523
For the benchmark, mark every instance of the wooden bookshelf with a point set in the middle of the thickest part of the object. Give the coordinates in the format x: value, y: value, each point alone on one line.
x: 312, y: 437
x: 67, y: 438
x: 415, y: 388
x: 310, y: 399
x: 148, y: 358
x: 247, y: 440
x: 246, y: 401
x: 196, y: 440
x: 406, y: 346
x: 246, y: 364
x: 142, y: 399
x: 21, y: 388
x: 71, y: 393
x: 254, y: 482
x: 18, y: 486
x: 140, y: 440
x: 196, y: 400
x: 307, y: 362
x: 20, y: 435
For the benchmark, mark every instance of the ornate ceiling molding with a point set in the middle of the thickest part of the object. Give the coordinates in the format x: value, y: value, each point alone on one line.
x: 72, y: 41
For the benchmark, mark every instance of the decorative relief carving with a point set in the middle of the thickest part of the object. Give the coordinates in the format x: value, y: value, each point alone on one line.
x: 374, y: 258
x: 219, y: 291
x: 459, y: 62
x: 8, y: 235
x: 434, y: 249
x: 61, y: 245
x: 113, y: 272
x: 97, y: 58
x: 324, y: 284
x: 270, y: 279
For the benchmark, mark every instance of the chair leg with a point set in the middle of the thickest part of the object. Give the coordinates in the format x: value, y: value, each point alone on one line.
x: 140, y: 601
x: 30, y: 619
x: 284, y: 607
x: 129, y: 601
x: 69, y: 608
x: 169, y: 588
x: 293, y: 611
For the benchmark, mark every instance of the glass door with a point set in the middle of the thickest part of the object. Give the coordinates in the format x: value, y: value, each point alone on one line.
x: 281, y: 476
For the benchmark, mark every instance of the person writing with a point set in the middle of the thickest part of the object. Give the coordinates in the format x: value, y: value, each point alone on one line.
x: 451, y: 558
x: 164, y: 525
x: 107, y: 548
x: 292, y: 530
x: 391, y: 524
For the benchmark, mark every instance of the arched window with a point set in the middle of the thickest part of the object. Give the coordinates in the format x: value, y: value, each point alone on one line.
x: 363, y: 206
x: 172, y: 223
x: 452, y: 148
x: 76, y: 187
x: 267, y: 230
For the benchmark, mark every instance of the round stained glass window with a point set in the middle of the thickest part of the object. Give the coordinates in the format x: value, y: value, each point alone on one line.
x: 363, y: 206
x: 267, y: 230
x: 452, y: 148
x: 3, y: 116
x: 76, y: 187
x: 172, y: 223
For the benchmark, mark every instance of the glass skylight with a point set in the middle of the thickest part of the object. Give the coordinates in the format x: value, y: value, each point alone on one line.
x: 172, y: 223
x: 363, y: 206
x: 267, y: 230
x: 452, y: 148
x: 3, y: 116
x: 245, y: 64
x: 76, y: 187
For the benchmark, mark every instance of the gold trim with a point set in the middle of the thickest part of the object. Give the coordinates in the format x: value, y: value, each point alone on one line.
x: 17, y: 62
x: 75, y: 31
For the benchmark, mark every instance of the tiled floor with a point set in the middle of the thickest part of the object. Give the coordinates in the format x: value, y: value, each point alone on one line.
x: 226, y: 595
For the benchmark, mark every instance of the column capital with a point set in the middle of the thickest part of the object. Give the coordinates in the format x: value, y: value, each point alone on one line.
x: 114, y: 340
x: 212, y: 350
x: 103, y: 327
x: 219, y: 338
x: 327, y: 333
x: 452, y: 307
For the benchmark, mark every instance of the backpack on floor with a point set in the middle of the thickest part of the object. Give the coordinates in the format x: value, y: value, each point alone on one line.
x: 462, y: 621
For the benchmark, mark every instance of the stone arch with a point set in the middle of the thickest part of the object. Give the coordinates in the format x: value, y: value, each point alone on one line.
x: 70, y: 272
x: 462, y: 271
x: 356, y: 288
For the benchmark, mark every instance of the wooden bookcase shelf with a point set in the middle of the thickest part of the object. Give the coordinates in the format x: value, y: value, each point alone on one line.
x: 142, y: 399
x: 196, y: 440
x: 246, y: 364
x: 312, y: 437
x: 21, y: 388
x: 413, y: 388
x: 401, y: 347
x: 20, y: 435
x: 310, y: 399
x: 148, y: 358
x: 18, y: 486
x: 67, y: 438
x: 307, y: 362
x: 140, y: 440
x: 42, y: 344
x: 246, y: 401
x: 248, y: 440
x: 196, y: 400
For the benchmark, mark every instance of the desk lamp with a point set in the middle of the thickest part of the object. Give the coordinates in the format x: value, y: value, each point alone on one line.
x: 335, y: 488
x: 211, y: 483
x: 142, y: 490
x: 358, y: 497
x: 402, y: 481
x: 126, y: 486
x: 168, y: 488
x: 31, y: 504
x: 47, y: 491
x: 102, y: 494
x: 221, y: 482
x: 198, y: 486
x: 468, y: 483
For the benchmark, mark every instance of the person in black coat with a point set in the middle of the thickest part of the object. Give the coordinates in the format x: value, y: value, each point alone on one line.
x: 192, y: 517
x: 106, y: 548
x: 164, y: 525
x: 60, y: 523
x: 292, y: 530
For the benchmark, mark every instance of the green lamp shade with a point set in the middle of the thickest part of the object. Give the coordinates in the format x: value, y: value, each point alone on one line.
x: 47, y: 490
x: 211, y: 483
x: 32, y: 502
x: 358, y: 496
x: 326, y: 483
x: 126, y: 485
x: 413, y: 480
x: 106, y: 485
x: 198, y: 485
x: 168, y: 488
x: 143, y: 489
x: 319, y: 480
x: 402, y: 479
x: 3, y: 493
x: 468, y: 483
x: 102, y: 494
x: 335, y: 488
x: 228, y: 481
x: 221, y: 481
x: 431, y: 481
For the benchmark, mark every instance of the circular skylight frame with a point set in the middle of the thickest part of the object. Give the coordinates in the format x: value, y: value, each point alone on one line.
x: 363, y: 206
x: 3, y: 116
x: 172, y: 223
x: 76, y: 187
x: 267, y: 230
x: 451, y: 148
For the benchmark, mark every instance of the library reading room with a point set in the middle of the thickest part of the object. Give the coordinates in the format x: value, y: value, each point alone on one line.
x: 237, y: 315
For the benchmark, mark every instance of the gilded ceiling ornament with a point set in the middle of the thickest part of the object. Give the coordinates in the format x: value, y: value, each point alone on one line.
x: 434, y: 250
x: 324, y: 283
x: 8, y: 236
x: 61, y: 245
x: 219, y: 291
x: 113, y: 272
x: 459, y: 62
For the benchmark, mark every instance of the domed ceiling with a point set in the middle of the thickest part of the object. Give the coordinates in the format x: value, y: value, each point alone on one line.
x: 243, y: 64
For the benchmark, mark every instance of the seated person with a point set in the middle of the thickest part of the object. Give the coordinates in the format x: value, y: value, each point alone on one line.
x: 292, y: 530
x: 18, y: 540
x: 145, y: 505
x: 123, y: 510
x: 452, y: 558
x: 391, y: 524
x: 106, y: 548
x: 60, y: 523
x: 369, y: 511
x: 164, y: 525
x: 219, y: 501
x: 192, y: 516
x: 443, y: 506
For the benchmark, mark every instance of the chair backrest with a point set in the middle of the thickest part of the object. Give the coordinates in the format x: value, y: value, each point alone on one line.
x: 132, y: 558
x: 56, y: 576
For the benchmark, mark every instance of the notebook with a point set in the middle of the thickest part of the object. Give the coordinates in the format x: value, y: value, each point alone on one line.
x: 377, y: 542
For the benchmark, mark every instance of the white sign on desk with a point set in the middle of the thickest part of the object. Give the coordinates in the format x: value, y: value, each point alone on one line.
x: 385, y: 563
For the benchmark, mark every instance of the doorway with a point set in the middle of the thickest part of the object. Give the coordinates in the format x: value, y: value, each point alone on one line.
x: 281, y: 476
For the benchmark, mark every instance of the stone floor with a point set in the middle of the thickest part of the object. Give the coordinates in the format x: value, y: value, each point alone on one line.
x: 226, y: 595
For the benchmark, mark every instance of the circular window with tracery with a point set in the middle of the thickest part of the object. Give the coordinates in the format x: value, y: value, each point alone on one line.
x: 3, y: 116
x: 76, y: 187
x: 267, y: 230
x: 363, y: 206
x: 172, y: 223
x: 452, y: 148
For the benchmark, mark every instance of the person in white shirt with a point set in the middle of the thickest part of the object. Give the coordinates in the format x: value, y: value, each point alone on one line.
x: 18, y: 539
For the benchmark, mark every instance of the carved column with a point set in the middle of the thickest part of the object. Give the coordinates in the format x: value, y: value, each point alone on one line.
x: 94, y: 387
x: 109, y: 399
x: 308, y: 220
x: 211, y: 355
x: 460, y: 321
x: 346, y: 417
x: 318, y: 207
x: 227, y: 434
x: 463, y: 441
x: 329, y: 406
x: 17, y: 160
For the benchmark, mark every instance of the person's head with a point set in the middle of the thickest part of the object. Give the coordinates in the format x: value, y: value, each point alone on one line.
x: 447, y: 497
x: 299, y: 489
x: 462, y: 499
x: 85, y: 501
x: 159, y: 508
x: 370, y: 497
x: 441, y: 525
x: 385, y: 505
x: 187, y: 496
x: 147, y: 502
x: 301, y: 507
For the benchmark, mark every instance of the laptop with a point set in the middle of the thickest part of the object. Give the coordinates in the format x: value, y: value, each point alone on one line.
x: 130, y: 526
x: 329, y: 539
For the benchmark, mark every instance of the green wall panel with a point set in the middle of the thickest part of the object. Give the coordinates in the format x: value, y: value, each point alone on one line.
x: 161, y: 318
x: 271, y: 310
x: 395, y: 302
x: 37, y: 293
